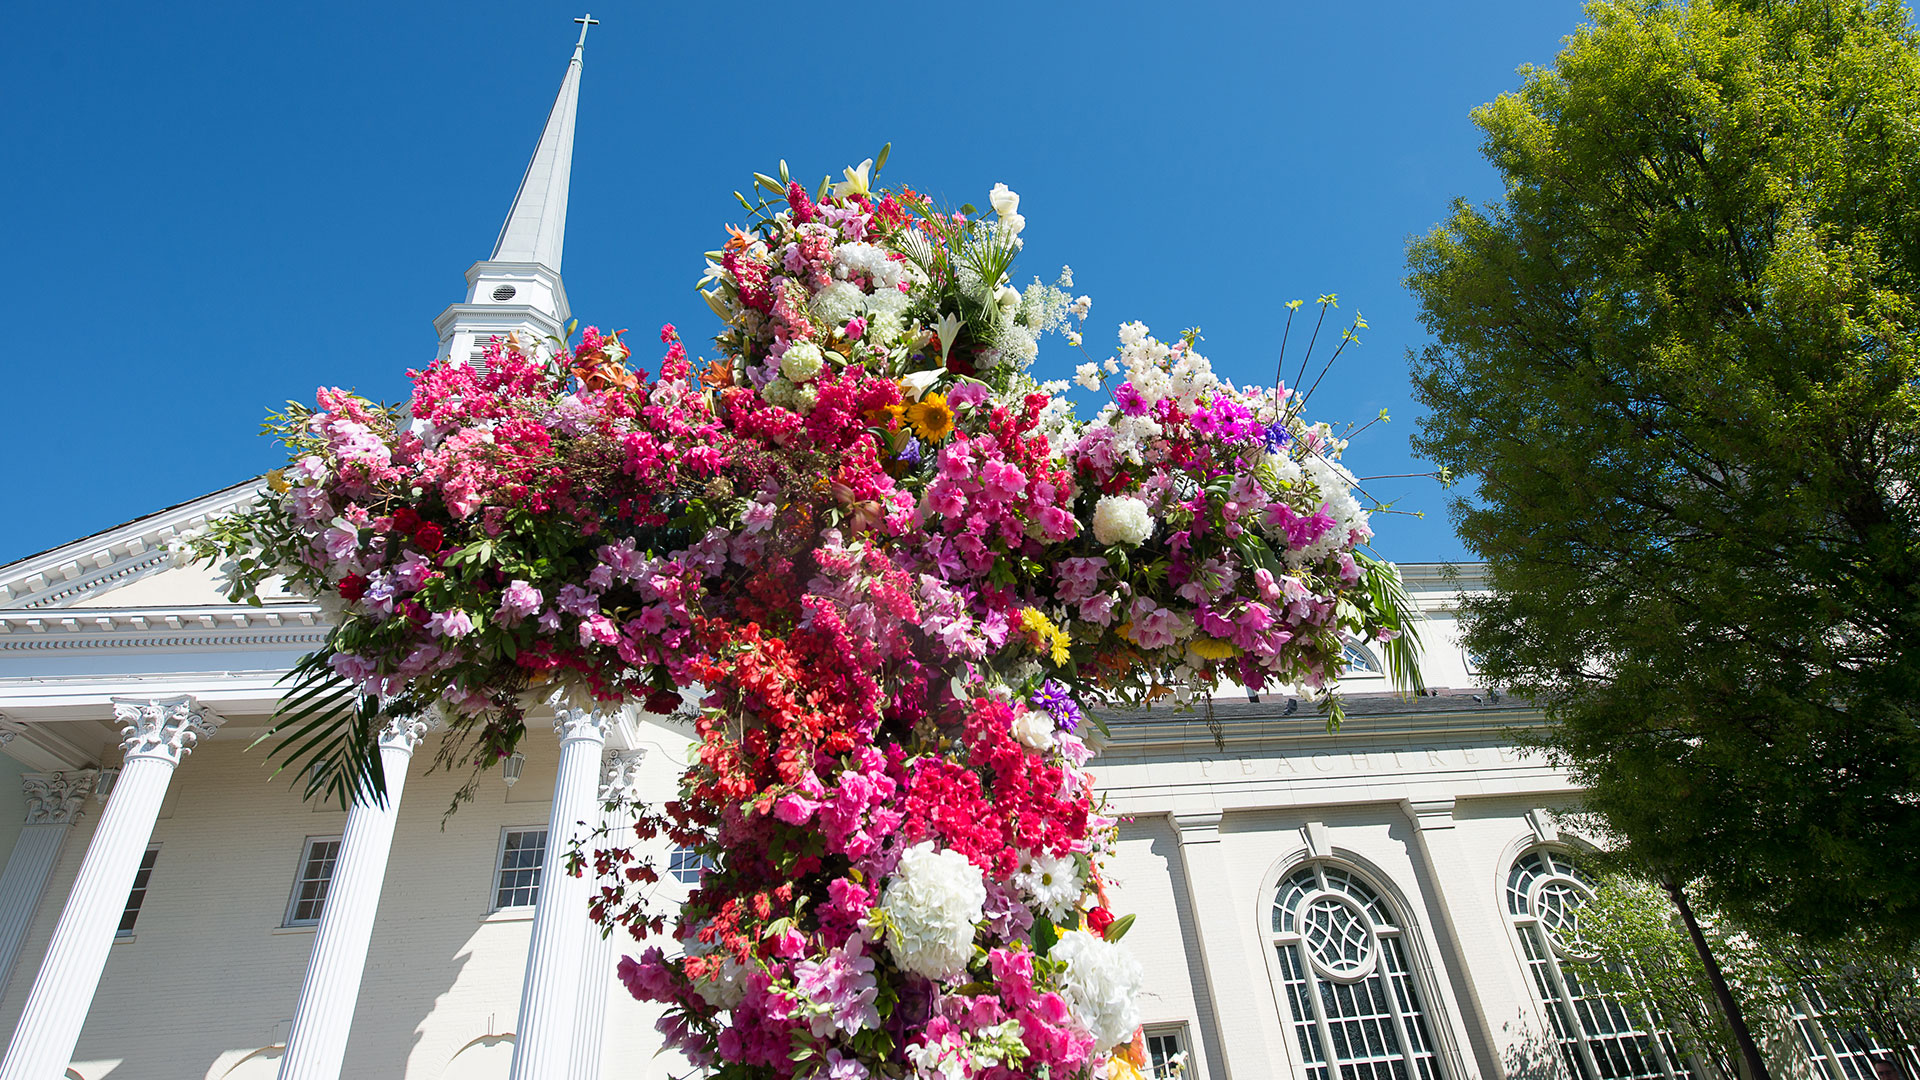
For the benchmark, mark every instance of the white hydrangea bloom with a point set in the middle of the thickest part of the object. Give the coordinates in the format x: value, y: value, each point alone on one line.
x: 1087, y: 375
x: 1052, y: 882
x: 780, y: 392
x: 934, y: 901
x: 1102, y: 983
x: 802, y: 361
x: 838, y: 302
x: 1336, y: 490
x: 1121, y: 519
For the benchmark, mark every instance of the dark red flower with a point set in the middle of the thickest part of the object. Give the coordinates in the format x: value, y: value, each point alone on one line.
x: 1098, y: 920
x: 352, y: 587
x: 406, y: 520
x: 429, y: 537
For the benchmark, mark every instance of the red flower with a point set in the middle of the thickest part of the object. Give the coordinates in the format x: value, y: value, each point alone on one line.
x: 1098, y: 920
x: 352, y: 587
x: 406, y: 520
x: 429, y: 537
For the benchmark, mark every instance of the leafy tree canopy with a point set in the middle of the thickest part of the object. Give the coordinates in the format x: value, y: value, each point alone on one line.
x: 1678, y: 360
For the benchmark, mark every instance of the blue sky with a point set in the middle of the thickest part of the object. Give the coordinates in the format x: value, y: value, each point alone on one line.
x: 215, y: 208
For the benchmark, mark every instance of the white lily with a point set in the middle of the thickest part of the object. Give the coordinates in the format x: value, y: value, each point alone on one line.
x: 949, y: 330
x: 856, y: 181
x: 918, y: 383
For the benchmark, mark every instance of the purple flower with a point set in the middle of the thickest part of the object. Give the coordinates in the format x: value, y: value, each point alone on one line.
x: 519, y: 601
x: 842, y: 984
x: 1056, y: 701
x: 1129, y: 400
x: 575, y: 600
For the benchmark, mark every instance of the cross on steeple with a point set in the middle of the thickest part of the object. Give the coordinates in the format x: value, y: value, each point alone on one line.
x: 585, y: 21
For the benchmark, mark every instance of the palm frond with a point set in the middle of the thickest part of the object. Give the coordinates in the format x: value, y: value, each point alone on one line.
x: 1395, y: 607
x: 325, y: 728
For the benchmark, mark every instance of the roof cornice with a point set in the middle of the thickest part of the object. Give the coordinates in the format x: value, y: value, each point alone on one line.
x: 69, y: 573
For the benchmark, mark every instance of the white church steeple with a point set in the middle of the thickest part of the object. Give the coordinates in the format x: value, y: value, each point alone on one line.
x: 518, y: 288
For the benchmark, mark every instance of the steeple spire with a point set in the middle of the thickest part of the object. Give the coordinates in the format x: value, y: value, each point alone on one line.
x: 518, y: 287
x: 536, y: 228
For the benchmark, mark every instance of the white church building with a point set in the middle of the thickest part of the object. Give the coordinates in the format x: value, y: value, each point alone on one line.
x: 1382, y: 900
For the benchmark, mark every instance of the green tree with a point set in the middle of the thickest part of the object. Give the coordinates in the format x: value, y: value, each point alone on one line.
x: 1677, y: 362
x: 1639, y: 952
x: 1635, y: 947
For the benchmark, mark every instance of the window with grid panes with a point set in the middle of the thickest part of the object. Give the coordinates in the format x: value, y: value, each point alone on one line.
x: 138, y: 895
x: 1166, y: 1052
x: 686, y: 865
x: 1837, y: 1052
x: 317, y: 859
x: 1350, y: 991
x: 518, y: 882
x: 1599, y: 1036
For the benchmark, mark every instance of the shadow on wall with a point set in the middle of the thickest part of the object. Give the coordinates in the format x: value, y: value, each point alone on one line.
x: 262, y: 1064
x: 1530, y: 1056
x: 488, y: 1057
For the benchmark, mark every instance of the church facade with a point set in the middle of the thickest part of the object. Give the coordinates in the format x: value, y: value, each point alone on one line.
x: 1382, y: 900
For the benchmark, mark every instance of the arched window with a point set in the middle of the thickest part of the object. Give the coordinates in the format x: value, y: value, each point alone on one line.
x: 1600, y: 1037
x: 1354, y: 1001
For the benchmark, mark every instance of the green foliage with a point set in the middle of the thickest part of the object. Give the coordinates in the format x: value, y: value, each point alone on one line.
x: 1681, y: 361
x: 1638, y: 951
x: 1641, y: 954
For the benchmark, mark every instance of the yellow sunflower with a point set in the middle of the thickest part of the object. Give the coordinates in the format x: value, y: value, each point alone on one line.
x: 1213, y: 648
x: 930, y: 417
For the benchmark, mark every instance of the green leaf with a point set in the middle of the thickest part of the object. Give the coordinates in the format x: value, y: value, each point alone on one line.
x: 1045, y: 935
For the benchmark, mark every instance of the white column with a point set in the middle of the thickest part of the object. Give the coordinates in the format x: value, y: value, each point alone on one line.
x: 1454, y: 881
x: 53, y: 805
x: 157, y: 733
x: 1229, y: 964
x: 549, y: 997
x: 318, y: 1042
x: 619, y: 786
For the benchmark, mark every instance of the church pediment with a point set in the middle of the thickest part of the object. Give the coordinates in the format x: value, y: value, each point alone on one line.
x: 126, y: 566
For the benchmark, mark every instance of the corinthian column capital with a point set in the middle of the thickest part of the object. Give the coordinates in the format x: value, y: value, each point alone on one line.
x: 9, y: 728
x: 620, y: 778
x: 56, y: 798
x: 405, y: 732
x: 571, y: 723
x: 162, y: 728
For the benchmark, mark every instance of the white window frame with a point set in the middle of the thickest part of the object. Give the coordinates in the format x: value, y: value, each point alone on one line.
x: 500, y: 867
x: 143, y: 890
x: 1391, y: 922
x: 1182, y: 1045
x: 703, y: 865
x: 1529, y: 934
x: 300, y: 879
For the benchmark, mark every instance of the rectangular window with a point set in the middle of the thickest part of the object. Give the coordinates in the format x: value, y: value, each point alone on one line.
x: 1166, y: 1052
x: 138, y: 895
x: 686, y: 865
x: 317, y: 859
x: 518, y: 882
